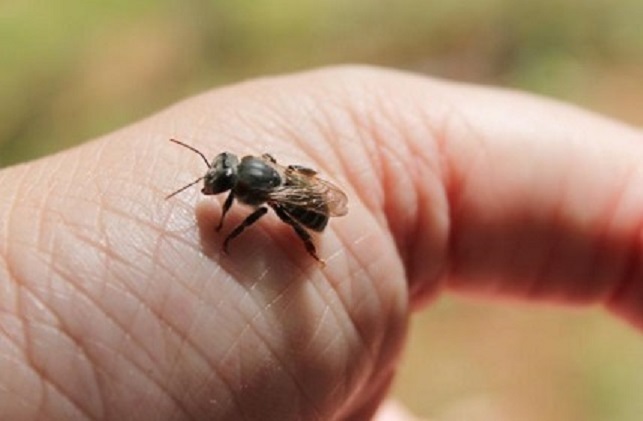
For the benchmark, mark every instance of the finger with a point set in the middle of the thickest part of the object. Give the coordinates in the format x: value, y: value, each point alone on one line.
x: 544, y: 200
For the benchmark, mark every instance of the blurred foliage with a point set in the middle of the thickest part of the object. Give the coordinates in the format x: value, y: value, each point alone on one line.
x: 470, y: 360
x: 71, y: 70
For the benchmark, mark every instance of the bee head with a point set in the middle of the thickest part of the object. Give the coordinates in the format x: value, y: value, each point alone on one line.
x: 222, y: 174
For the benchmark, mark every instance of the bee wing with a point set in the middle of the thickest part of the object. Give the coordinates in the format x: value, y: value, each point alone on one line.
x: 311, y: 193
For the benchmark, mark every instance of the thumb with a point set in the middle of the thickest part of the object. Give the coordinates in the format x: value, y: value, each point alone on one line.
x: 120, y: 302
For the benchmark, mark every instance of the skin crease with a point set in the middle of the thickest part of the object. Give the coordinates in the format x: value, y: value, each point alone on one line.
x: 117, y: 304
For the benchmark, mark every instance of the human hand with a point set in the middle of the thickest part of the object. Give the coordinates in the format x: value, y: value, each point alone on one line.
x: 117, y: 304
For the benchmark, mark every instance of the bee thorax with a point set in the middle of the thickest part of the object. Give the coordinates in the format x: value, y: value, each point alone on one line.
x: 255, y: 180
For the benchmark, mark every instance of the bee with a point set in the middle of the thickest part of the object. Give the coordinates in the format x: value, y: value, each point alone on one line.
x: 295, y: 193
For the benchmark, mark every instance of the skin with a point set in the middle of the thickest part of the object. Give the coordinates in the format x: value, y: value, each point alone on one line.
x: 118, y: 304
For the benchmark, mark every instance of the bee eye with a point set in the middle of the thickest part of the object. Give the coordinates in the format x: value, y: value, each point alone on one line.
x: 222, y: 175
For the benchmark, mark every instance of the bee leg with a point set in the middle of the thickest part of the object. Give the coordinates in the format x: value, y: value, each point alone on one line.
x: 300, y: 231
x: 226, y: 207
x: 268, y: 157
x: 251, y: 219
x: 301, y: 169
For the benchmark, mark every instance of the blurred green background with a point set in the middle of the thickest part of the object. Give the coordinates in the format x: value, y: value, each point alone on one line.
x: 72, y: 69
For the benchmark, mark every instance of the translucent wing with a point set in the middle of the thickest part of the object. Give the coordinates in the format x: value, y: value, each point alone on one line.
x: 303, y: 189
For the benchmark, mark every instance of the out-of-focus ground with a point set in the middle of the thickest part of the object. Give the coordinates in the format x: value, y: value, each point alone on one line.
x: 71, y: 70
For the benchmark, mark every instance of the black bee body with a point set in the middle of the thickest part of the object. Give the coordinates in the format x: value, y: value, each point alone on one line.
x: 297, y: 196
x: 255, y: 179
x: 315, y: 221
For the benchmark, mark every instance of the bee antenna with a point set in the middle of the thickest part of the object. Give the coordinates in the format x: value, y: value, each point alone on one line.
x: 184, y: 188
x: 193, y: 149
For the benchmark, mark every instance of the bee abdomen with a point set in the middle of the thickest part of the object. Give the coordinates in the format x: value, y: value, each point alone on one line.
x: 313, y: 220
